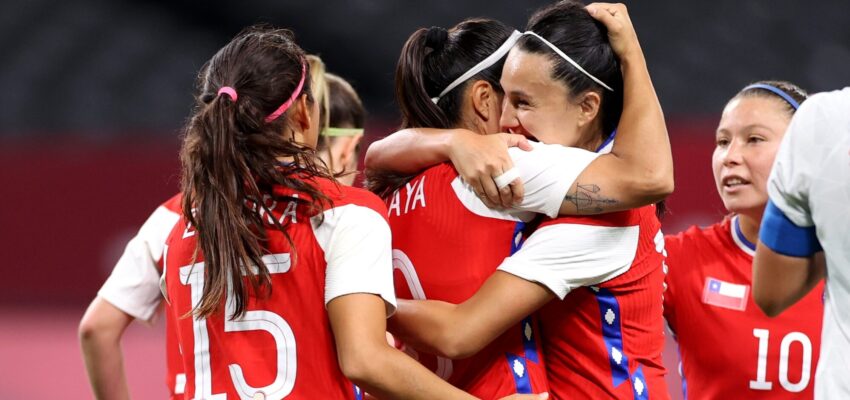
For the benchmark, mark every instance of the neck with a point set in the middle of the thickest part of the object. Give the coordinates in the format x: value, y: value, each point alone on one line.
x: 590, y: 139
x: 750, y: 226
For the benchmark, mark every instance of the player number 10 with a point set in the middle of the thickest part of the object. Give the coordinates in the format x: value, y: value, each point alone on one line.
x: 761, y: 382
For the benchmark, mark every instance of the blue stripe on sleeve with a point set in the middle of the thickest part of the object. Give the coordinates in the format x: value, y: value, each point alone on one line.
x: 784, y: 237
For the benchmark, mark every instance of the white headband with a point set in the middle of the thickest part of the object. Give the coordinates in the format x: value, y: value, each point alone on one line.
x: 569, y: 60
x: 504, y: 49
x: 484, y: 64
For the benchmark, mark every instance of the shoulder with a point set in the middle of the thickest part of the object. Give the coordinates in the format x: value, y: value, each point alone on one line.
x: 836, y: 101
x: 174, y: 204
x: 341, y: 196
x: 822, y: 116
x: 696, y: 236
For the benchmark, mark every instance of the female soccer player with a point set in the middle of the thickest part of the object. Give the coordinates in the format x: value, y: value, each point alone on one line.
x: 133, y: 292
x: 339, y: 144
x: 506, y: 298
x: 708, y: 303
x: 281, y: 277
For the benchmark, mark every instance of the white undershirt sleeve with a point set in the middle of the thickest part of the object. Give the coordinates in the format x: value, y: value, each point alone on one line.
x: 133, y: 286
x: 547, y: 173
x: 563, y: 257
x: 358, y: 250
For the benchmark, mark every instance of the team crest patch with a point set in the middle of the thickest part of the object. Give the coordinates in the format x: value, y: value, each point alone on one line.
x: 725, y: 294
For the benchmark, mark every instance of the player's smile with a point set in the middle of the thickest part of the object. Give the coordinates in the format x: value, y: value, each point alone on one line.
x: 733, y: 184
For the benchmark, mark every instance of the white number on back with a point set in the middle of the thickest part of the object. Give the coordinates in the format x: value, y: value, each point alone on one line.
x: 254, y: 320
x: 402, y: 263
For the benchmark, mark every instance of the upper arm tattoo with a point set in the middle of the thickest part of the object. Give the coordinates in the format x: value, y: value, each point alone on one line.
x: 588, y: 200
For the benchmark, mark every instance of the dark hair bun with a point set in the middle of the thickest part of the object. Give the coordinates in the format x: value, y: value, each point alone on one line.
x: 436, y: 37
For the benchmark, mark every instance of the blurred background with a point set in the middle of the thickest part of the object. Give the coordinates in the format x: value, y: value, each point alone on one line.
x: 94, y: 94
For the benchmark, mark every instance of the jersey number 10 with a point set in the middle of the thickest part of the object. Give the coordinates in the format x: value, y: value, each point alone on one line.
x: 761, y: 382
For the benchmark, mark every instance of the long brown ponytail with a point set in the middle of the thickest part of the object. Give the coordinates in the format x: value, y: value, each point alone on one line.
x: 230, y: 161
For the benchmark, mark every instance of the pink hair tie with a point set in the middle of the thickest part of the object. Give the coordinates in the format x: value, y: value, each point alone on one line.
x: 228, y: 91
x: 285, y: 106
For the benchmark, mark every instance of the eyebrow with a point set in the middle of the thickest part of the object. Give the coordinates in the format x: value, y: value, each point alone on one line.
x: 746, y: 128
x: 518, y: 93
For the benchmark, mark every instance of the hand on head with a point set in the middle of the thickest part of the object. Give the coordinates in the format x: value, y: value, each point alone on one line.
x: 621, y: 33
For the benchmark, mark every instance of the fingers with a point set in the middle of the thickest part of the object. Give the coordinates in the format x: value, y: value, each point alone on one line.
x: 610, y: 15
x: 506, y: 197
x: 514, y: 140
x: 490, y: 191
x: 517, y: 191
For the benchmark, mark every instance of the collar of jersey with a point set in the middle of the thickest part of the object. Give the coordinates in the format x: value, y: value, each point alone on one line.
x: 740, y: 240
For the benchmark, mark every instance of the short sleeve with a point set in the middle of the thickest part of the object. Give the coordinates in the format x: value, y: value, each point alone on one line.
x: 796, y: 161
x: 133, y: 286
x: 547, y: 173
x: 566, y: 256
x: 357, y: 244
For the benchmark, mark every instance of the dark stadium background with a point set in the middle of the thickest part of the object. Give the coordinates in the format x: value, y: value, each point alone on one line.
x: 93, y: 94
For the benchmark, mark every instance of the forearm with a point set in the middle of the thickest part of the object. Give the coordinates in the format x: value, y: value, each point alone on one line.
x: 409, y: 151
x: 100, y: 334
x: 408, y: 379
x: 434, y: 327
x: 642, y: 143
x: 105, y: 365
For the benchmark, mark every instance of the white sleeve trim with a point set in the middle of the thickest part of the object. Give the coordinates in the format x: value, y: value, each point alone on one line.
x: 547, y: 173
x: 357, y: 244
x: 133, y: 286
x: 563, y: 257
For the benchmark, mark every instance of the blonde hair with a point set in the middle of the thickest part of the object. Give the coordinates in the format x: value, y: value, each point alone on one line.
x: 319, y: 86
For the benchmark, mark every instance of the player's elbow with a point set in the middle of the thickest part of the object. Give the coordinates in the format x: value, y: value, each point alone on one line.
x: 361, y: 364
x: 373, y: 153
x: 769, y: 304
x: 656, y: 185
x: 459, y: 347
x: 458, y: 342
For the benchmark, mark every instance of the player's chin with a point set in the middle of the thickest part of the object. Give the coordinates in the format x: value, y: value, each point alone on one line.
x: 742, y: 204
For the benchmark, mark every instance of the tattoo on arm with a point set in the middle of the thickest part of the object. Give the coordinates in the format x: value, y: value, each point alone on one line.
x: 587, y: 199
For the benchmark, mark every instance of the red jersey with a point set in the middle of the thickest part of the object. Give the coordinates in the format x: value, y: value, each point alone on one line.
x: 604, y: 338
x: 175, y: 379
x: 283, y: 345
x: 446, y: 243
x: 728, y: 347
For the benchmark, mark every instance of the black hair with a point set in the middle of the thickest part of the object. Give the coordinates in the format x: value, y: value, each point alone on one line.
x: 569, y: 27
x: 431, y: 59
